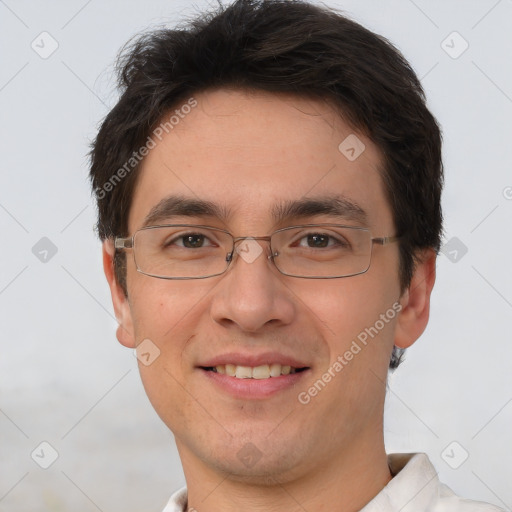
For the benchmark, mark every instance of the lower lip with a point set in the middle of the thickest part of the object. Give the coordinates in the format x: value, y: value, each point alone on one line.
x: 253, y: 389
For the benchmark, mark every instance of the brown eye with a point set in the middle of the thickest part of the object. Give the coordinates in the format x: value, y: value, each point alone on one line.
x: 193, y: 241
x: 188, y: 241
x: 318, y: 240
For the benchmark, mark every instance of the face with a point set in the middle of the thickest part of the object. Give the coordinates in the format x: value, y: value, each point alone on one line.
x: 249, y: 154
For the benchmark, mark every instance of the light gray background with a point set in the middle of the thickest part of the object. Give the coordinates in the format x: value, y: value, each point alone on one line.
x: 64, y: 378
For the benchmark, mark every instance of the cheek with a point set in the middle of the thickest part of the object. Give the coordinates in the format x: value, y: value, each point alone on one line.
x: 168, y: 313
x: 344, y: 308
x: 160, y: 306
x: 357, y: 319
x: 165, y: 312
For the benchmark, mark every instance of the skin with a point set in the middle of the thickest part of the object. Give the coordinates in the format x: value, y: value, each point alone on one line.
x: 248, y: 151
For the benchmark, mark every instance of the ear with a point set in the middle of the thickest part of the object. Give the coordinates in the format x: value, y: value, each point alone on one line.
x: 415, y: 301
x: 125, y: 333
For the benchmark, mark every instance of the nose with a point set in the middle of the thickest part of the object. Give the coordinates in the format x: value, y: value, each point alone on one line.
x: 252, y: 294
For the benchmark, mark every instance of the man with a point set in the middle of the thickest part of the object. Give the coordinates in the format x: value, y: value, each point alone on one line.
x: 268, y: 189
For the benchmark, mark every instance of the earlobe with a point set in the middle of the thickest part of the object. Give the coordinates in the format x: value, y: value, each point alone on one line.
x: 125, y: 333
x: 415, y: 301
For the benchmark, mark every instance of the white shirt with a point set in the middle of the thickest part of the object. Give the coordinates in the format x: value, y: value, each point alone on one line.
x: 415, y: 487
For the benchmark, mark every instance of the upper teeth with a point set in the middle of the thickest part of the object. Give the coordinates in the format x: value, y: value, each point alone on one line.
x: 257, y: 372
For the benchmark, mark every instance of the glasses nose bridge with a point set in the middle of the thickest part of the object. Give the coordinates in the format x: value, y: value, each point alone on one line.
x: 237, y: 239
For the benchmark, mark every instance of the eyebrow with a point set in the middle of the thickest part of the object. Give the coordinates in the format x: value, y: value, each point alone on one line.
x: 178, y: 206
x: 336, y: 206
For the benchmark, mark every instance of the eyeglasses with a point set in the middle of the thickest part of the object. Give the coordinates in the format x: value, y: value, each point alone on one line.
x: 311, y: 251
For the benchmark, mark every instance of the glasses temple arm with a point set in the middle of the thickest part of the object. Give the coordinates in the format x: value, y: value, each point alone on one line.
x: 123, y: 243
x: 385, y: 240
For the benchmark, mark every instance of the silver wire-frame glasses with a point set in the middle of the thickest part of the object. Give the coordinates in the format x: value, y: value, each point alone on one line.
x: 310, y: 251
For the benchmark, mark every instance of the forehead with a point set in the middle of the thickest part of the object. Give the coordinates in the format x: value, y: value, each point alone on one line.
x: 251, y: 153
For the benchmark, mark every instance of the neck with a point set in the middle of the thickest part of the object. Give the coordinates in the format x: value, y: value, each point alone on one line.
x: 346, y: 482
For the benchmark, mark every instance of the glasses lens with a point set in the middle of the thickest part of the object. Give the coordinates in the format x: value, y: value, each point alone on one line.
x: 322, y: 251
x: 181, y: 251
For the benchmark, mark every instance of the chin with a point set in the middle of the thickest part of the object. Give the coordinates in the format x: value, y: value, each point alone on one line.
x: 271, y: 472
x: 259, y: 461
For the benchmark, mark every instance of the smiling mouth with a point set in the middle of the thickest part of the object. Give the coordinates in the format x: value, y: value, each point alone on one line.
x: 265, y: 371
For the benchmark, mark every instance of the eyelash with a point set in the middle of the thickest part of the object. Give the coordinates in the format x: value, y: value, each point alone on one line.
x: 332, y: 242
